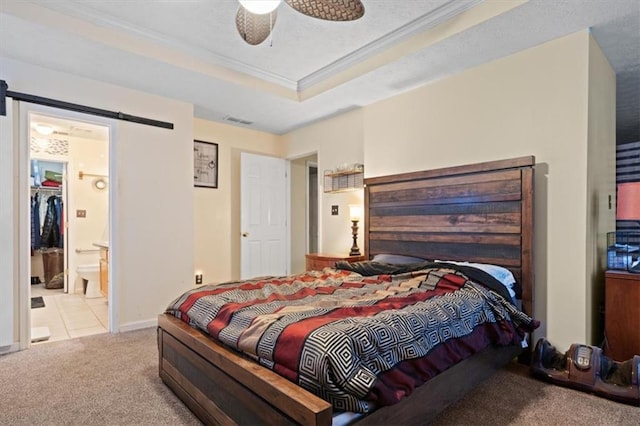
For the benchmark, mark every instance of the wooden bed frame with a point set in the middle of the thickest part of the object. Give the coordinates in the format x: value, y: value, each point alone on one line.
x: 480, y: 212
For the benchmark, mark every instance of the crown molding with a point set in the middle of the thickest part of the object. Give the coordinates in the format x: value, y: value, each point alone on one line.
x: 423, y: 23
x: 199, y: 53
x: 385, y: 43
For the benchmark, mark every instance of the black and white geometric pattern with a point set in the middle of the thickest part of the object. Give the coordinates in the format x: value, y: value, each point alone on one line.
x: 341, y: 359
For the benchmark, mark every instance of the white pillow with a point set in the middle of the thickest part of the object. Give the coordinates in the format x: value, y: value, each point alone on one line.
x: 498, y: 272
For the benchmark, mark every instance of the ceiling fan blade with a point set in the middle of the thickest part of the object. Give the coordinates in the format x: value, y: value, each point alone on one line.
x: 254, y: 28
x: 329, y: 10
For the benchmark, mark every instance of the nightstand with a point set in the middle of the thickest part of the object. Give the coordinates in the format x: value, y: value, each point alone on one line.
x: 318, y: 261
x: 622, y: 314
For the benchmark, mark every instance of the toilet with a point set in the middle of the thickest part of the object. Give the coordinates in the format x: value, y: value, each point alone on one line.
x: 91, y: 273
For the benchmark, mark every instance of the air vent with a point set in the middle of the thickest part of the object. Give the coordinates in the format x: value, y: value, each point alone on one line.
x: 237, y: 120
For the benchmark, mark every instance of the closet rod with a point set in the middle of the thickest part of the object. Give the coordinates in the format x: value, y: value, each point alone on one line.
x: 4, y: 93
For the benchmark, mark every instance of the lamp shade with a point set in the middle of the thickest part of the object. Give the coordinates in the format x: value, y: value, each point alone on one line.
x: 260, y: 7
x: 355, y: 212
x: 628, y: 201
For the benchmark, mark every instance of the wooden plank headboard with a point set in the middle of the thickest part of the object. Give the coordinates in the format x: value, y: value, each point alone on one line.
x: 478, y: 213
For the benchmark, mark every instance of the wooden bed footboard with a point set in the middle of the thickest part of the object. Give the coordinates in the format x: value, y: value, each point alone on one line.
x: 222, y: 387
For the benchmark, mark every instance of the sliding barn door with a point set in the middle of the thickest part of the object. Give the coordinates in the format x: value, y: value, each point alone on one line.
x: 8, y: 211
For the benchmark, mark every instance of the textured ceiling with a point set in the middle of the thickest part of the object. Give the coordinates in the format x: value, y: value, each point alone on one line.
x: 310, y: 69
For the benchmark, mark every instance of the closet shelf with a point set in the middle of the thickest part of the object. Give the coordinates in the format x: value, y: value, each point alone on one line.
x: 47, y: 188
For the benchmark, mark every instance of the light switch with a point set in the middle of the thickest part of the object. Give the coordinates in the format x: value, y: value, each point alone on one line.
x: 334, y: 210
x: 81, y: 213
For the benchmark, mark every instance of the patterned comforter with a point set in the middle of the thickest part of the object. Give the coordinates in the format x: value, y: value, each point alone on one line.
x: 356, y: 341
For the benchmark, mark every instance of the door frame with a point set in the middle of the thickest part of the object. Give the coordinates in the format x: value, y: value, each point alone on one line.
x: 308, y: 166
x: 24, y: 229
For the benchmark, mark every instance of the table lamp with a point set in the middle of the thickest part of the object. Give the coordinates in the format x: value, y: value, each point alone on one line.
x: 355, y: 213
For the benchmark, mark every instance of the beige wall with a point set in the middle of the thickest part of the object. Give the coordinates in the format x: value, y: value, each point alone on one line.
x: 555, y: 101
x: 216, y: 220
x: 533, y: 102
x: 297, y: 223
x: 153, y: 196
x: 337, y: 140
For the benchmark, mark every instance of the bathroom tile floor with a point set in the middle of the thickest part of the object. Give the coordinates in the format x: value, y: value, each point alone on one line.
x: 68, y: 315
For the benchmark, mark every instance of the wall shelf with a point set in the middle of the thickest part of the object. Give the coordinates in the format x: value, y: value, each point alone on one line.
x: 341, y: 181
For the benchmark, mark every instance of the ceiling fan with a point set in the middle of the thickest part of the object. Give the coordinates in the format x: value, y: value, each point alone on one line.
x: 256, y: 18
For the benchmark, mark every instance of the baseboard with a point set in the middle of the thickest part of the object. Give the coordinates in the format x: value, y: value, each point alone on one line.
x: 138, y: 325
x: 11, y: 348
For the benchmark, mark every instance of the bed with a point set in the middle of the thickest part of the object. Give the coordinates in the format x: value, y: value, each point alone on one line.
x: 478, y: 213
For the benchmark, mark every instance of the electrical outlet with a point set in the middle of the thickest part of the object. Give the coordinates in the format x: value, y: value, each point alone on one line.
x: 81, y: 213
x: 334, y: 210
x: 198, y: 279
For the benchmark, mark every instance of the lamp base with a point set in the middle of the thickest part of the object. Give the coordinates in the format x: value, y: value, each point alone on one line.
x: 355, y: 251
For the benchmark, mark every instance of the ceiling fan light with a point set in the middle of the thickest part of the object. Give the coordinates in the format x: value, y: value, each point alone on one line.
x: 260, y: 7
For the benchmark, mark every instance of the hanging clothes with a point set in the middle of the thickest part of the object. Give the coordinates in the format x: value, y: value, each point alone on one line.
x: 58, y: 206
x: 51, y: 229
x: 43, y: 210
x: 35, y: 222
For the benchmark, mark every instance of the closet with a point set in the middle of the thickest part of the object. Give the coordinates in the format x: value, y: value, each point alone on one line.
x: 47, y: 223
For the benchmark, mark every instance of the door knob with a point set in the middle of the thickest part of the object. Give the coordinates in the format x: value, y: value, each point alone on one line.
x: 245, y: 234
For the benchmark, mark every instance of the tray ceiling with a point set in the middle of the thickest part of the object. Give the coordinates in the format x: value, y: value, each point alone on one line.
x: 310, y: 69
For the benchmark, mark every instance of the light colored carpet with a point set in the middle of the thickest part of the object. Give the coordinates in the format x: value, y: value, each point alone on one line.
x: 102, y: 379
x: 113, y: 380
x: 513, y: 397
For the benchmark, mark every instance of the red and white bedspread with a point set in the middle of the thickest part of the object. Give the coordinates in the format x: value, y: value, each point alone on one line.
x: 356, y: 341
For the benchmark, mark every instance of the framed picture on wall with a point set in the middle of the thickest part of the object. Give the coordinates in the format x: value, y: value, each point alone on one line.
x: 205, y: 164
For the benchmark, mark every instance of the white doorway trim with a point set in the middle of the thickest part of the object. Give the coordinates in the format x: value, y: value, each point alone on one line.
x: 308, y: 166
x: 24, y: 242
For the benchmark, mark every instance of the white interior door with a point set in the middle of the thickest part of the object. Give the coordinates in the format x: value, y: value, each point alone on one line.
x: 8, y: 273
x: 263, y: 211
